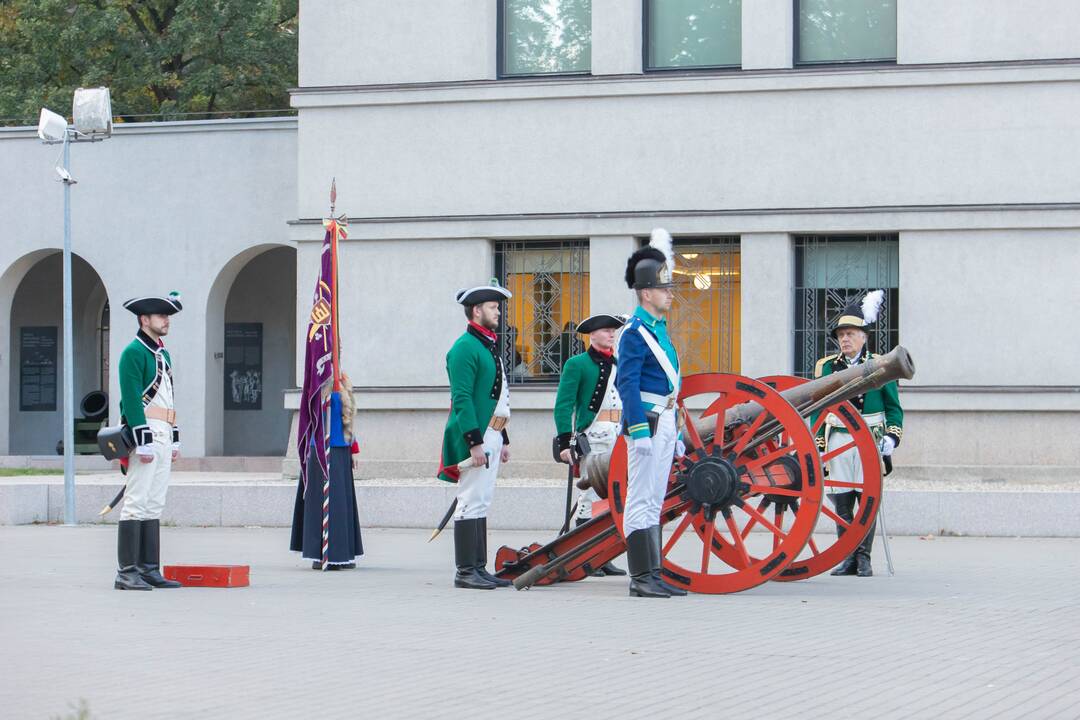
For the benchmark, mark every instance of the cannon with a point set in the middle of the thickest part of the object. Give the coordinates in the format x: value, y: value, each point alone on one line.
x: 743, y: 504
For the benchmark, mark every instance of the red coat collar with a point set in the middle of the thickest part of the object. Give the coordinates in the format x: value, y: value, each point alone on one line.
x: 483, y: 331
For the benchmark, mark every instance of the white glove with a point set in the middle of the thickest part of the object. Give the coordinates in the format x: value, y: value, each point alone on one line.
x: 887, y: 445
x: 145, y: 450
x: 680, y: 448
x: 643, y: 447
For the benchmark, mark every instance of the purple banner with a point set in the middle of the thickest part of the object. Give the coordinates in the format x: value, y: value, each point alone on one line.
x: 318, y: 368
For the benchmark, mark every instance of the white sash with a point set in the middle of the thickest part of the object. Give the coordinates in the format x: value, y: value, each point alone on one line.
x: 662, y: 358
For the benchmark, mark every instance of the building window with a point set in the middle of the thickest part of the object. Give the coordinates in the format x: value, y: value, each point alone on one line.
x: 693, y: 33
x: 545, y: 37
x: 705, y: 316
x: 839, y: 31
x: 550, y: 283
x: 833, y: 271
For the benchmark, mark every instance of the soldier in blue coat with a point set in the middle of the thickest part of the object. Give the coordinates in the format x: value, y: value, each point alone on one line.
x: 648, y: 383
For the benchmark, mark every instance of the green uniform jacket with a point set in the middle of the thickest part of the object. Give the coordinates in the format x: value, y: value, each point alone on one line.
x: 885, y: 399
x: 143, y: 365
x: 475, y: 386
x: 581, y: 393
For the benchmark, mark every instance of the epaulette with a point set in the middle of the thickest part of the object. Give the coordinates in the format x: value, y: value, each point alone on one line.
x: 821, y: 364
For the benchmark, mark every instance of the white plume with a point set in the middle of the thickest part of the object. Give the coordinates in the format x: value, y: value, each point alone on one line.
x: 871, y: 305
x: 661, y: 240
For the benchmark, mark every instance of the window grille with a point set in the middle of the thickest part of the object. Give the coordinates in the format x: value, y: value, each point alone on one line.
x: 833, y: 271
x: 550, y: 284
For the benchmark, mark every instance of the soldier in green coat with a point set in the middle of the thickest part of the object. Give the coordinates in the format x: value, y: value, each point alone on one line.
x: 475, y: 432
x: 880, y: 410
x: 146, y: 407
x: 588, y: 403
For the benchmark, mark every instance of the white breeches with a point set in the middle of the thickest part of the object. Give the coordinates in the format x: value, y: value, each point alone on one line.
x: 148, y: 483
x: 648, y: 477
x: 476, y: 486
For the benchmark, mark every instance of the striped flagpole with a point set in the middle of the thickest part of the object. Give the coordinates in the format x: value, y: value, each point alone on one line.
x: 335, y: 374
x: 336, y: 232
x: 326, y: 485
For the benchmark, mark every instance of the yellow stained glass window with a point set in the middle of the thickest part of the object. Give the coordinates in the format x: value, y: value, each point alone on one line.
x: 550, y: 284
x: 705, y: 319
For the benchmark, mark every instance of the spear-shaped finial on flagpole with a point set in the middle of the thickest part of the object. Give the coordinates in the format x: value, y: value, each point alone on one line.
x: 333, y: 195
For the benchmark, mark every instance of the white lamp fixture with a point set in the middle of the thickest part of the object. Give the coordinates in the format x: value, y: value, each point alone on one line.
x: 92, y: 110
x: 51, y: 127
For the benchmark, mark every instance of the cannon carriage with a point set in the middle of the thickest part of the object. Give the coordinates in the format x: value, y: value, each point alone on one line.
x: 743, y: 504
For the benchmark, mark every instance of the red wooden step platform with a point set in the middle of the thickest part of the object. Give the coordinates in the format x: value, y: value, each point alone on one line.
x: 208, y: 575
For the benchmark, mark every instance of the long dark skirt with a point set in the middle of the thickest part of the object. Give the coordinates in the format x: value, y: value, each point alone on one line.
x: 345, y: 543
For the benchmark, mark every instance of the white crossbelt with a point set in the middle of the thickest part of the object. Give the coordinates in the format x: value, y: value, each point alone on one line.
x: 665, y: 401
x: 872, y: 419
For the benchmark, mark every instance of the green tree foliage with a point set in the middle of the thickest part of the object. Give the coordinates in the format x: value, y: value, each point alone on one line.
x: 161, y: 59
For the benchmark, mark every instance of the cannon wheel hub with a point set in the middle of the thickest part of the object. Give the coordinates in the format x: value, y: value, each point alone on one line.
x: 712, y: 482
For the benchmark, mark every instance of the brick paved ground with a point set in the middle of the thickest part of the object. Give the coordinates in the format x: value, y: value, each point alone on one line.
x: 968, y: 628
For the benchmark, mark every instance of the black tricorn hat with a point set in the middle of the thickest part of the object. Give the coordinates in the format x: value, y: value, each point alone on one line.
x: 155, y: 304
x: 599, y: 322
x: 483, y: 293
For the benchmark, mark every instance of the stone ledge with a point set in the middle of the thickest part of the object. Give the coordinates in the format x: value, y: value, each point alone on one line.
x: 534, y: 506
x: 96, y: 463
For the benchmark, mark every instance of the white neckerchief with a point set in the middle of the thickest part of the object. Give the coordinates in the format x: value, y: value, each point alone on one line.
x: 164, y: 396
x: 502, y: 407
x: 858, y: 360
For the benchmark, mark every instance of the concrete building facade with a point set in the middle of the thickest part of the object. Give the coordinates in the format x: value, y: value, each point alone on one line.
x: 944, y: 173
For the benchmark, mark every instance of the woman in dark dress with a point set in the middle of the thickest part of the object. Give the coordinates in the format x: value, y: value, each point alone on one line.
x: 344, y: 539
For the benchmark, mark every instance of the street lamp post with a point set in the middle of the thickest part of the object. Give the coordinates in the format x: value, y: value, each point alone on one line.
x: 69, y: 355
x: 92, y: 114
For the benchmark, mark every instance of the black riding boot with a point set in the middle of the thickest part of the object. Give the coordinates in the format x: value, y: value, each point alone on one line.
x: 465, y: 532
x: 607, y: 568
x: 656, y: 563
x: 639, y: 560
x: 847, y: 567
x: 127, y: 554
x: 845, y: 506
x: 150, y: 555
x: 862, y: 553
x: 481, y: 556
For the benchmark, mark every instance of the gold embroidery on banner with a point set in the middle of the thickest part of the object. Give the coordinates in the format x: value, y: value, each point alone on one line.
x: 321, y: 313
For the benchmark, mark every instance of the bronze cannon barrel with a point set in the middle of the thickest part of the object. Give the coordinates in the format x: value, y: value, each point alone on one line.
x: 844, y: 385
x: 806, y: 398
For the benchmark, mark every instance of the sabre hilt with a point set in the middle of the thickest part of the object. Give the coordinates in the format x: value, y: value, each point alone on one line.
x: 470, y: 463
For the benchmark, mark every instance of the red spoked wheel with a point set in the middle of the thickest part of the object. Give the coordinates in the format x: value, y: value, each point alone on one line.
x: 816, y: 559
x: 719, y: 489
